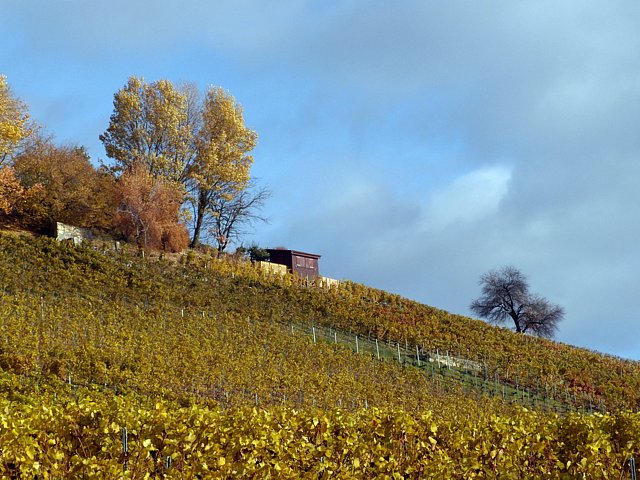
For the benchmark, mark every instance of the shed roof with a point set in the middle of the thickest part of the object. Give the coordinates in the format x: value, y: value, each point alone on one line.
x: 294, y: 252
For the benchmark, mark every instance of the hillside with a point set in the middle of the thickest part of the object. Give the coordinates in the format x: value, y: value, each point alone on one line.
x: 210, y: 366
x: 42, y: 268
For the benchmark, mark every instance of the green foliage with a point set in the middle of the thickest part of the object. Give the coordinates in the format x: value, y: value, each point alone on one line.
x: 257, y: 253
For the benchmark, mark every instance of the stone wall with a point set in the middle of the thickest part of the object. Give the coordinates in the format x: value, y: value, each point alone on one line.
x: 274, y: 268
x: 277, y: 269
x: 69, y: 232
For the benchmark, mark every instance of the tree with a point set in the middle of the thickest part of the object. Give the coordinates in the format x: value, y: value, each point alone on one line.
x: 10, y: 190
x: 202, y: 144
x: 152, y: 125
x: 220, y: 172
x: 231, y: 215
x: 257, y: 253
x: 149, y: 211
x: 13, y: 196
x: 71, y: 189
x: 14, y: 121
x: 505, y: 294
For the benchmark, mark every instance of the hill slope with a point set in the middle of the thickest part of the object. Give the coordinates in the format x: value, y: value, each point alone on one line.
x: 224, y: 288
x: 203, y: 366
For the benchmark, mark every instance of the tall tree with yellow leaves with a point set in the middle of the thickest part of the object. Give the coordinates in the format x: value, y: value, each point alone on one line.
x: 14, y: 121
x: 151, y: 127
x: 14, y: 128
x: 204, y: 145
x: 221, y: 169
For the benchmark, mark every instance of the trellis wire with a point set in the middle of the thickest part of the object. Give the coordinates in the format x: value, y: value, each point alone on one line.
x: 464, y: 371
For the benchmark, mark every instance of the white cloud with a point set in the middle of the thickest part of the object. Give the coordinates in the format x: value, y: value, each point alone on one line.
x: 469, y: 198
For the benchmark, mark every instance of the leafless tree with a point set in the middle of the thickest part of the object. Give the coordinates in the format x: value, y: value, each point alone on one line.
x: 232, y: 215
x: 505, y: 294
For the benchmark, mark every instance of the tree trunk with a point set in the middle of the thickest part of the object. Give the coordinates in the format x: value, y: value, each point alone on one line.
x: 200, y: 210
x: 516, y: 321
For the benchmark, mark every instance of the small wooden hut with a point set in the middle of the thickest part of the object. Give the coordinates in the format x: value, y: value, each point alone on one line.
x: 302, y: 263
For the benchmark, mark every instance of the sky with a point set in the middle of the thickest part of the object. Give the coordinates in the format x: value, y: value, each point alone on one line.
x: 415, y: 145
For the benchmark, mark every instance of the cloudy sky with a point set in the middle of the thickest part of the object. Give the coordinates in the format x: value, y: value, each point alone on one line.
x: 413, y: 144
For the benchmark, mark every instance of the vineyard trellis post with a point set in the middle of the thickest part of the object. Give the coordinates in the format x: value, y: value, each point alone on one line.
x: 125, y: 448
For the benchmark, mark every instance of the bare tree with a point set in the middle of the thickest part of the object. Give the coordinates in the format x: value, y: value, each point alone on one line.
x: 234, y: 213
x: 505, y: 294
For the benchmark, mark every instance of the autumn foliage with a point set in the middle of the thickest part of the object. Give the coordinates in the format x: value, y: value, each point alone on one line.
x: 14, y: 121
x: 171, y: 146
x: 173, y: 134
x: 71, y: 190
x: 150, y: 126
x: 13, y: 196
x: 198, y: 362
x: 148, y: 211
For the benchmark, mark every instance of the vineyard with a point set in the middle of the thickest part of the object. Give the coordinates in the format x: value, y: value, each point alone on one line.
x: 115, y: 364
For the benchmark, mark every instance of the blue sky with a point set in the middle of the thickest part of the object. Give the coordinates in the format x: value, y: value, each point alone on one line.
x: 413, y: 144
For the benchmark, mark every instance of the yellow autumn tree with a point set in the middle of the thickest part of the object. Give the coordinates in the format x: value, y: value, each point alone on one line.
x: 201, y: 144
x: 221, y: 169
x: 14, y: 121
x: 14, y: 128
x: 150, y: 126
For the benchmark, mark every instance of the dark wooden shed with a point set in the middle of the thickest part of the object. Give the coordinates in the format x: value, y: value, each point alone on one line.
x: 301, y: 263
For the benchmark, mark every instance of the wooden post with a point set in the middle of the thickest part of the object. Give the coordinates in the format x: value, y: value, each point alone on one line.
x: 377, y: 349
x: 399, y: 360
x: 418, y: 355
x: 357, y: 346
x: 314, y: 335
